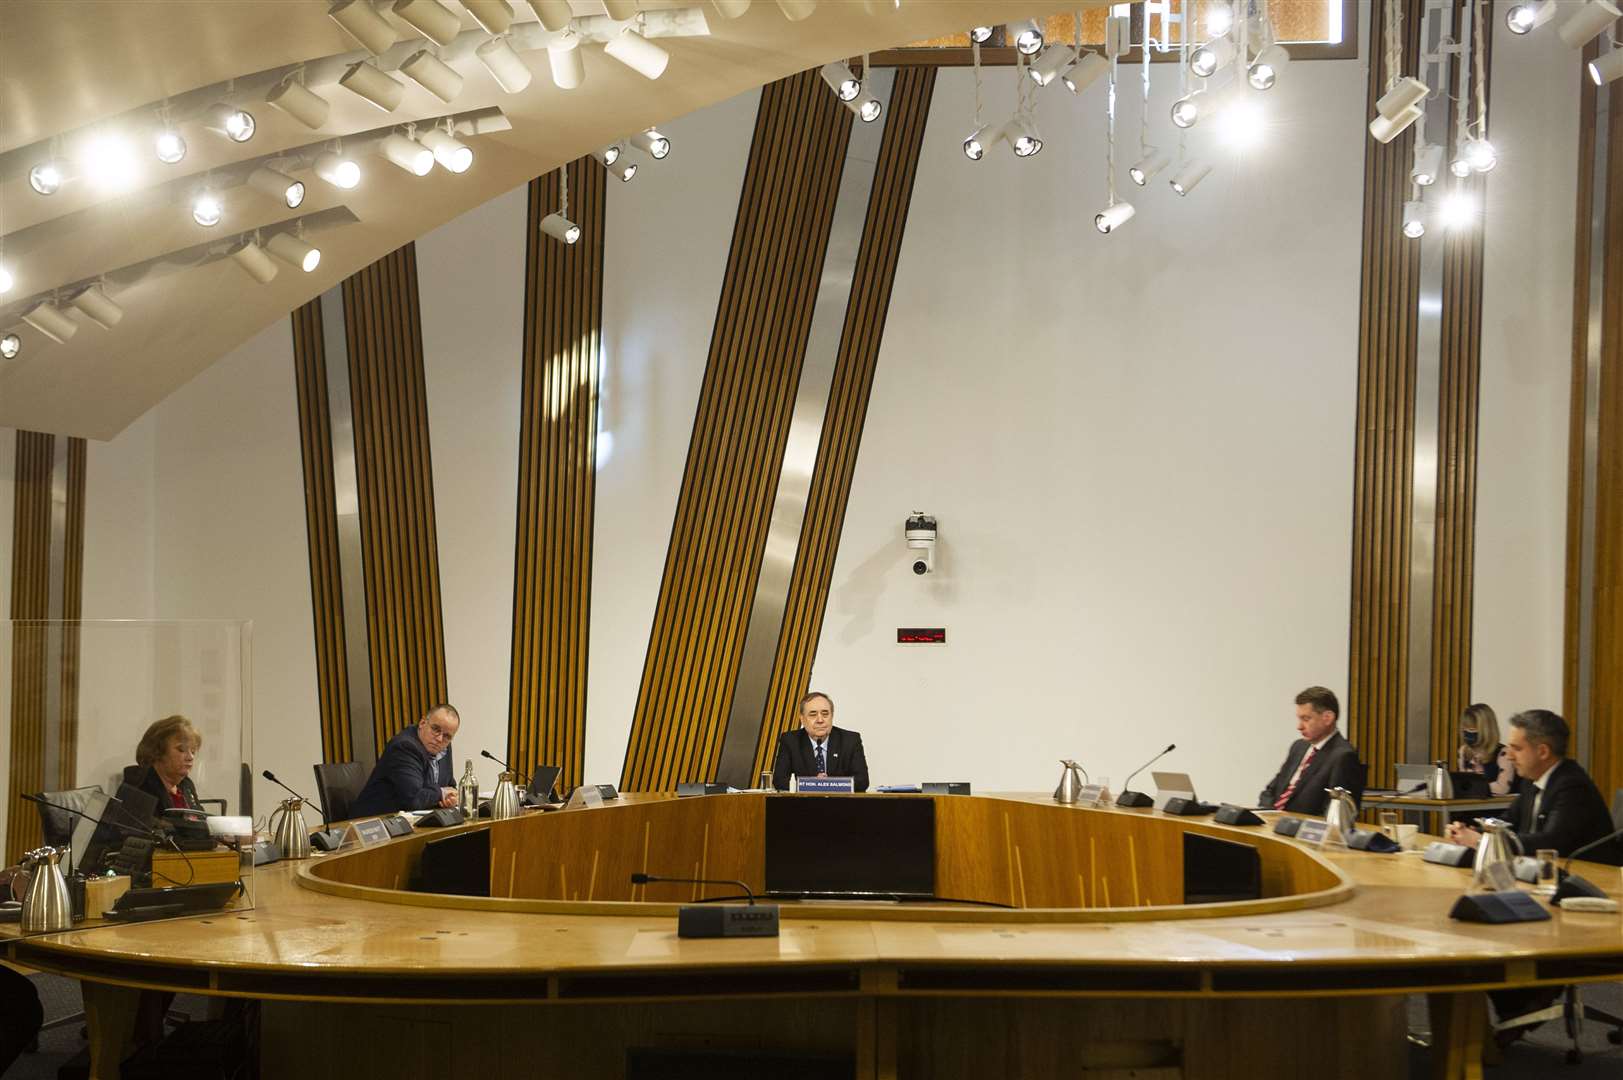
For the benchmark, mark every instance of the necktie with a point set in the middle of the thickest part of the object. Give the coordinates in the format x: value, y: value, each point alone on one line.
x: 821, y: 760
x: 1285, y: 797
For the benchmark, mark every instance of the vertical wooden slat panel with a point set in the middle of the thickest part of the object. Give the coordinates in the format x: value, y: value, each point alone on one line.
x: 736, y: 452
x: 321, y: 527
x: 394, y: 485
x: 73, y: 576
x: 874, y: 277
x: 1383, y: 456
x: 552, y: 559
x: 30, y: 599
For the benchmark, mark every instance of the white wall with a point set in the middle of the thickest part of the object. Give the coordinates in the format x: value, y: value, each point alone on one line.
x: 1530, y: 212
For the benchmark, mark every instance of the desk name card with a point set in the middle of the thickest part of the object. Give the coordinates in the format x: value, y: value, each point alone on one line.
x: 1313, y: 832
x: 368, y: 832
x: 823, y: 785
x: 1092, y: 795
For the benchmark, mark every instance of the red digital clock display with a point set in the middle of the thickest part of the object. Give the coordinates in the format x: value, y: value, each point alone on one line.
x: 921, y: 635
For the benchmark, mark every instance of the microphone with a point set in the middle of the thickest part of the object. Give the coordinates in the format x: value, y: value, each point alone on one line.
x: 1128, y: 796
x: 1571, y: 884
x: 719, y: 920
x: 505, y: 766
x: 647, y: 879
x: 268, y: 775
x: 146, y: 832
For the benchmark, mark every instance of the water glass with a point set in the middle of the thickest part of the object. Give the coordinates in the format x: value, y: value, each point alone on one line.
x: 1389, y: 824
x: 766, y: 779
x: 1547, y: 861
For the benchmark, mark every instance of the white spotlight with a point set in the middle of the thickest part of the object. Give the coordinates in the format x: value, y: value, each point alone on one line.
x: 982, y: 139
x: 1480, y: 155
x: 1458, y: 210
x: 980, y: 35
x: 866, y: 106
x: 1588, y: 22
x: 10, y: 346
x: 430, y: 18
x: 295, y: 252
x: 47, y: 177
x: 638, y: 53
x: 1049, y: 66
x: 559, y: 227
x: 1385, y: 130
x: 1524, y: 18
x: 1026, y: 36
x: 620, y: 10
x: 228, y: 120
x: 1207, y: 60
x: 837, y: 74
x: 452, y: 153
x: 1428, y: 164
x: 623, y: 169
x: 207, y: 208
x: 1219, y: 18
x: 338, y: 171
x: 554, y: 14
x: 1403, y: 97
x: 363, y: 23
x: 1607, y: 67
x: 495, y: 16
x: 731, y: 9
x: 653, y: 144
x: 50, y: 320
x: 368, y: 82
x: 6, y: 280
x: 409, y: 155
x: 95, y: 305
x: 300, y: 102
x: 1414, y: 219
x: 108, y: 162
x: 1023, y: 137
x: 1266, y: 67
x: 433, y: 74
x: 608, y: 155
x: 1185, y: 179
x: 169, y: 146
x: 1240, y: 123
x: 510, y: 72
x: 277, y: 185
x: 795, y: 10
x: 1144, y: 170
x: 255, y: 263
x: 1460, y: 167
x: 563, y: 55
x: 1089, y: 66
x: 1186, y: 110
x: 1113, y: 217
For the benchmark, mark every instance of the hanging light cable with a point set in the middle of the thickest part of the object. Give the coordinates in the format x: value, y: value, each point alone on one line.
x: 985, y: 136
x: 557, y: 224
x: 1404, y: 100
x: 1190, y: 171
x: 1150, y: 160
x: 1115, y: 214
x: 1479, y: 152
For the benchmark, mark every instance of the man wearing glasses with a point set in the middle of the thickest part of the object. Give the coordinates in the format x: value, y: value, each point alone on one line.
x: 414, y: 771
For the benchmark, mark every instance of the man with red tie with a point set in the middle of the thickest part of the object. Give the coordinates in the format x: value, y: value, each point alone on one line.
x: 1320, y: 759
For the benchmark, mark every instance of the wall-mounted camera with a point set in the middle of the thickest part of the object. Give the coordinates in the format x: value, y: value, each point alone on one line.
x: 920, y: 533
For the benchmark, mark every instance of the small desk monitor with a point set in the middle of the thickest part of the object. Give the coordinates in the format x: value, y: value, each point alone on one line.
x: 542, y: 783
x: 1217, y: 870
x: 458, y: 864
x: 132, y: 808
x: 840, y: 847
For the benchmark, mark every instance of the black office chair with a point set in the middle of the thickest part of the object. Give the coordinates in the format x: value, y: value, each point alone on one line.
x: 56, y: 825
x: 338, y: 784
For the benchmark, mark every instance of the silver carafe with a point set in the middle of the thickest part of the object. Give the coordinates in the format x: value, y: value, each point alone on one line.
x: 47, y: 907
x: 1071, y: 782
x: 1498, y: 838
x: 467, y: 793
x: 1440, y: 785
x: 289, y: 831
x: 1341, y: 815
x: 504, y: 803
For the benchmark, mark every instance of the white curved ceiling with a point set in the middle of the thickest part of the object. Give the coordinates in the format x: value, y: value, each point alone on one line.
x: 75, y: 70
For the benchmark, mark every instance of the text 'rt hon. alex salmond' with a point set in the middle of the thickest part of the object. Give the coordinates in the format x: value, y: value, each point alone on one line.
x: 1320, y: 759
x: 819, y: 748
x: 414, y: 770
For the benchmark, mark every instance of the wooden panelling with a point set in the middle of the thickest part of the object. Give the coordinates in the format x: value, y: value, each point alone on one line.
x: 735, y: 455
x: 908, y: 112
x: 73, y: 576
x: 552, y: 563
x: 321, y: 526
x: 395, y: 489
x: 1383, y: 455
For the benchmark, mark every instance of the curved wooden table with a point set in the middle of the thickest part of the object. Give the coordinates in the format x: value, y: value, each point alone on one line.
x: 1094, y: 959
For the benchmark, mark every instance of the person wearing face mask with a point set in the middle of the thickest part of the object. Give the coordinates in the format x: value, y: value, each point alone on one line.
x: 1482, y: 753
x: 414, y: 770
x: 163, y: 763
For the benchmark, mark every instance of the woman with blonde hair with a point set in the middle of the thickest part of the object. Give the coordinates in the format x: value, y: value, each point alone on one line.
x: 163, y: 763
x: 1481, y: 751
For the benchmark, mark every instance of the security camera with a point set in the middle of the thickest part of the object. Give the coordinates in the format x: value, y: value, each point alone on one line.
x: 920, y: 533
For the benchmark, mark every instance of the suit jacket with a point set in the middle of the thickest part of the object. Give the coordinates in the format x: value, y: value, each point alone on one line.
x: 1335, y: 765
x: 405, y: 778
x: 147, y: 779
x: 1571, y: 814
x: 844, y: 753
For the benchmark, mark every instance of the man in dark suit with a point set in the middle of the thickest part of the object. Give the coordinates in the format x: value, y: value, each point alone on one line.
x: 819, y: 748
x: 1559, y: 807
x: 1320, y: 759
x: 414, y: 771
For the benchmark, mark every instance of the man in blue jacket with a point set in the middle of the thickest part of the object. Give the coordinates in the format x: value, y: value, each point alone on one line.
x: 414, y: 771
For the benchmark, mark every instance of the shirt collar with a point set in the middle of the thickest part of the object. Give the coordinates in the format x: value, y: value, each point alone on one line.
x: 1320, y: 744
x: 1545, y: 779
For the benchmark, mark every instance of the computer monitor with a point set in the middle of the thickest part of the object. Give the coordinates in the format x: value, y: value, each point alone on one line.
x: 837, y: 846
x: 130, y: 809
x: 1218, y: 870
x: 542, y: 783
x: 458, y: 864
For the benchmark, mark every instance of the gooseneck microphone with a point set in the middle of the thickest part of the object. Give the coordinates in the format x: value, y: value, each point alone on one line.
x: 650, y: 879
x: 1570, y: 884
x: 268, y: 775
x: 719, y: 920
x: 1128, y: 796
x: 112, y: 802
x: 505, y: 766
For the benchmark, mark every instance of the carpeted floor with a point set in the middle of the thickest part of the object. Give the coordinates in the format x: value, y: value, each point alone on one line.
x: 1539, y: 1056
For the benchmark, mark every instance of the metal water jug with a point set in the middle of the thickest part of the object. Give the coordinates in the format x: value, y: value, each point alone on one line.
x: 1071, y: 782
x: 289, y: 831
x: 1498, y: 840
x: 467, y: 793
x: 1341, y: 815
x: 47, y: 907
x: 504, y: 803
x: 1440, y: 785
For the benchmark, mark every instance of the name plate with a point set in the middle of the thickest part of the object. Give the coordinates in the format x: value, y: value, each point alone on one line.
x: 826, y: 785
x: 1092, y: 795
x: 1313, y: 832
x: 368, y: 832
x: 1499, y: 877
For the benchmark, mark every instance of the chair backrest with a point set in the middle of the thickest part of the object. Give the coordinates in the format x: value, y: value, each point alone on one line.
x: 57, y: 825
x: 1617, y: 809
x: 338, y: 784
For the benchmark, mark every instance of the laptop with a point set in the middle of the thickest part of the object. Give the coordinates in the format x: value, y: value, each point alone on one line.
x: 1172, y: 785
x: 1413, y: 779
x: 542, y: 784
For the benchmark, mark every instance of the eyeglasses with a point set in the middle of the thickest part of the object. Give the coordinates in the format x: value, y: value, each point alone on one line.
x: 440, y: 732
